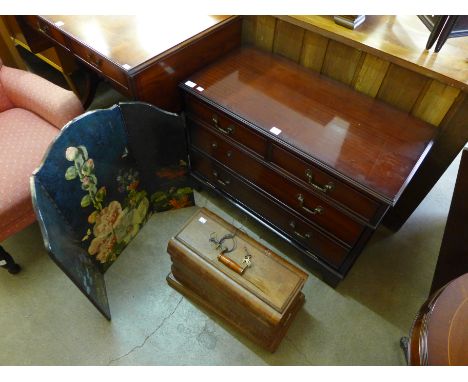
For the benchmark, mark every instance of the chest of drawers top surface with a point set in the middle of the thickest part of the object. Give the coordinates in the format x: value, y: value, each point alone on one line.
x: 373, y: 145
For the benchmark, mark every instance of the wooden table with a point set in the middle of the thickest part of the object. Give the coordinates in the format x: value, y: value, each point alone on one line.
x: 439, y: 335
x: 143, y: 57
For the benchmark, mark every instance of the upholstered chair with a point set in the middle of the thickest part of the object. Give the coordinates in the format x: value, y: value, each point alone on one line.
x: 32, y: 112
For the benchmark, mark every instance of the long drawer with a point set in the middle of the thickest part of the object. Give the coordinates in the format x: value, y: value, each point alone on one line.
x: 300, y: 231
x: 296, y: 197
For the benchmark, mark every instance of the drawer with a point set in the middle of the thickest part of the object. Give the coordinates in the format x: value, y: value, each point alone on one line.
x: 297, y: 229
x: 298, y: 198
x: 323, y: 183
x: 100, y: 63
x: 47, y: 29
x: 223, y: 124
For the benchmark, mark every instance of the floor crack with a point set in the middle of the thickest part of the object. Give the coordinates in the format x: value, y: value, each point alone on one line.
x: 299, y: 351
x: 148, y: 336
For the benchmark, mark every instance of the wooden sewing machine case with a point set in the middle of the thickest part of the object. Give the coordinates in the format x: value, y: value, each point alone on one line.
x: 261, y: 302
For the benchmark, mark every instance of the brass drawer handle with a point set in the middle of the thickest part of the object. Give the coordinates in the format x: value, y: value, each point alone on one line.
x: 316, y: 211
x: 221, y: 182
x: 310, y: 179
x: 94, y: 60
x: 305, y: 236
x: 228, y: 130
x: 44, y: 28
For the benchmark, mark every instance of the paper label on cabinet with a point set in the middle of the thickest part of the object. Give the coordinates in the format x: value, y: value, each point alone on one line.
x: 200, y: 89
x: 190, y: 84
x: 2, y: 262
x: 202, y: 220
x: 275, y: 130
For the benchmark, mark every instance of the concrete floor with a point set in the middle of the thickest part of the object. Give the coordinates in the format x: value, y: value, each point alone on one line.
x: 45, y: 320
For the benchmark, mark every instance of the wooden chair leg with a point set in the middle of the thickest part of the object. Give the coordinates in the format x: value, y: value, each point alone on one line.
x: 7, y: 262
x: 445, y: 33
x: 436, y: 31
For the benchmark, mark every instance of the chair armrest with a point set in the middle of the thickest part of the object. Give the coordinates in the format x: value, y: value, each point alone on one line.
x: 51, y: 102
x: 65, y: 250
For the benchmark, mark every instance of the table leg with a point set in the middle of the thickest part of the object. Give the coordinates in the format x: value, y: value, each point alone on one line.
x: 404, y: 343
x: 10, y: 264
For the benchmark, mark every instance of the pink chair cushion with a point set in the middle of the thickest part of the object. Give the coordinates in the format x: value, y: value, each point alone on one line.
x: 5, y: 102
x: 25, y: 138
x: 31, y: 92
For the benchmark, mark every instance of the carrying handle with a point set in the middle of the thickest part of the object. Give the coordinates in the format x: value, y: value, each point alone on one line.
x: 231, y: 264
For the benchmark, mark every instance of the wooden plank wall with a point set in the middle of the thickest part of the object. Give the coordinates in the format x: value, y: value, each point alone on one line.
x: 423, y: 97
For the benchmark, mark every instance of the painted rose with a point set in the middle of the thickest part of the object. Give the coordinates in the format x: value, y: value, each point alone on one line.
x: 107, y: 219
x: 103, y: 248
x: 71, y: 153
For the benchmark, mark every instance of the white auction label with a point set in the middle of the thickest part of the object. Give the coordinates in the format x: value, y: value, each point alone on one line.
x: 2, y: 262
x: 190, y: 84
x: 202, y: 220
x: 275, y: 130
x: 200, y: 89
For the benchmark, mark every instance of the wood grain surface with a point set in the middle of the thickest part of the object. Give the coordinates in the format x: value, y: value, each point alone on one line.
x: 439, y: 336
x: 381, y: 58
x: 365, y: 140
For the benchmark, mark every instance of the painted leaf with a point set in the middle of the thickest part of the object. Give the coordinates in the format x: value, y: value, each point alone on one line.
x: 84, y: 151
x: 85, y: 201
x: 71, y: 173
x: 184, y: 191
x: 100, y: 194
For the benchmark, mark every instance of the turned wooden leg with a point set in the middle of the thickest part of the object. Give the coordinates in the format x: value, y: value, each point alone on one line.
x: 8, y: 263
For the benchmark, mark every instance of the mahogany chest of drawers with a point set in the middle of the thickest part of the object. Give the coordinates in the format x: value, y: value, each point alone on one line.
x: 310, y: 158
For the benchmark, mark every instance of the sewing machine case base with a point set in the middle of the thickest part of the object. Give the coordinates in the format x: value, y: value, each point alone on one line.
x: 261, y: 303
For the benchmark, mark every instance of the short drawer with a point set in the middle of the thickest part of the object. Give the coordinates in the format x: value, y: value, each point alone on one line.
x: 297, y: 229
x: 223, y: 124
x: 298, y: 198
x: 100, y: 63
x: 323, y: 183
x: 46, y: 28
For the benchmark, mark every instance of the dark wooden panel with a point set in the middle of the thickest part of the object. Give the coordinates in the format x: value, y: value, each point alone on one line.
x: 450, y: 141
x: 311, y: 207
x: 372, y: 144
x: 158, y: 84
x: 453, y: 259
x: 296, y: 228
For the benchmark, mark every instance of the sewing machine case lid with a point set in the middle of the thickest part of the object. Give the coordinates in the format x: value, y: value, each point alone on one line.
x: 270, y: 278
